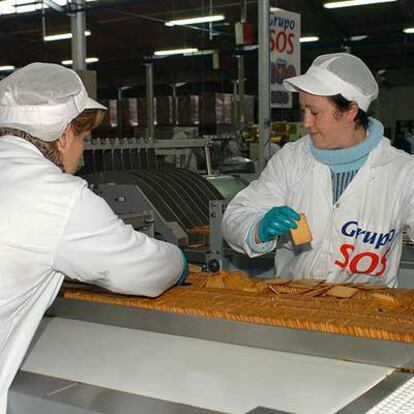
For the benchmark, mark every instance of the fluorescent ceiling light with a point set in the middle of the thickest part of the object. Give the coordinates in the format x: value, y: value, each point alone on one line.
x: 307, y: 39
x: 200, y: 52
x: 6, y: 68
x: 7, y: 8
x: 250, y: 47
x: 51, y: 38
x: 358, y: 38
x: 196, y: 20
x: 409, y: 30
x: 87, y: 60
x: 64, y: 2
x: 174, y: 52
x: 26, y: 6
x: 351, y: 3
x: 18, y: 6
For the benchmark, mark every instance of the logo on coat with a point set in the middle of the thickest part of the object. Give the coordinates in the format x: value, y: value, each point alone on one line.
x: 373, y: 263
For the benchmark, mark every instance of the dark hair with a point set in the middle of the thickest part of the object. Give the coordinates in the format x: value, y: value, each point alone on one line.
x: 343, y: 105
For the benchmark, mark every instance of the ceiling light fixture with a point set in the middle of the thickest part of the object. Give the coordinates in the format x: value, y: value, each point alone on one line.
x: 6, y: 68
x: 196, y: 20
x: 308, y: 39
x: 200, y: 52
x: 357, y: 38
x: 65, y: 2
x: 26, y: 6
x: 351, y: 3
x: 87, y: 60
x: 174, y: 52
x: 409, y: 30
x: 61, y: 36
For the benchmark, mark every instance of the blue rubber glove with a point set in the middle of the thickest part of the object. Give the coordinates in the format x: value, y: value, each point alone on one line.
x: 185, y: 272
x: 276, y: 222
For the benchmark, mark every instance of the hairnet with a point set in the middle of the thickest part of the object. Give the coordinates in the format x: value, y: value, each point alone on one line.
x: 42, y: 99
x: 337, y: 73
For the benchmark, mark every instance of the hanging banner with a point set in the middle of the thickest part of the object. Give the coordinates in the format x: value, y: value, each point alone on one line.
x: 284, y: 54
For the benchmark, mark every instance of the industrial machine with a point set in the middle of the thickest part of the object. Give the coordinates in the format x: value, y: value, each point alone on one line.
x: 174, y: 205
x: 112, y: 354
x: 109, y: 355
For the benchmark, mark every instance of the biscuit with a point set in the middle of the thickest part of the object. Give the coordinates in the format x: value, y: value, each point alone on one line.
x: 302, y: 233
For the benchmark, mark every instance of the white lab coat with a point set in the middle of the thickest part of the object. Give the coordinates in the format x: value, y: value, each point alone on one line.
x: 52, y: 225
x: 357, y: 239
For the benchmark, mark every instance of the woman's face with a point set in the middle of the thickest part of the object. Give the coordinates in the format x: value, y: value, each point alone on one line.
x: 329, y: 128
x: 71, y: 147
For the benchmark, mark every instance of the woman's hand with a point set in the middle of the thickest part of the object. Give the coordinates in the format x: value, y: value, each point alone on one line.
x: 276, y: 222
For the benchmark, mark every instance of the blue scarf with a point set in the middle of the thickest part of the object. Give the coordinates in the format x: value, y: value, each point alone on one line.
x: 352, y: 158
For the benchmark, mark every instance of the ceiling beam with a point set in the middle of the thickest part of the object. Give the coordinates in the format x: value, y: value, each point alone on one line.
x: 55, y: 6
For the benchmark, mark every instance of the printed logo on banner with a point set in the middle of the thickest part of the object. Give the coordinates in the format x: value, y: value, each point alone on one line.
x: 373, y: 260
x: 284, y: 55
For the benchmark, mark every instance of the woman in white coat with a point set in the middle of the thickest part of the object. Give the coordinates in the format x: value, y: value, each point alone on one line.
x: 52, y: 225
x: 356, y: 191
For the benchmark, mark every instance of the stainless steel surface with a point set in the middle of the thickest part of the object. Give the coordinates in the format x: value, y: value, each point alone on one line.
x: 124, y: 199
x: 264, y: 78
x: 216, y: 241
x: 376, y: 394
x: 370, y: 351
x: 143, y: 222
x: 228, y: 185
x: 208, y: 160
x: 262, y: 410
x: 78, y: 27
x: 150, y: 100
x: 179, y: 200
x: 201, y: 373
x: 240, y: 101
x: 158, y: 145
x: 40, y: 394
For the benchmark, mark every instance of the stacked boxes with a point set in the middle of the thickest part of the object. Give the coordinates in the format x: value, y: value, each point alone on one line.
x: 111, y: 118
x: 211, y: 111
x: 165, y: 111
x: 213, y: 108
x: 188, y: 108
x: 133, y: 112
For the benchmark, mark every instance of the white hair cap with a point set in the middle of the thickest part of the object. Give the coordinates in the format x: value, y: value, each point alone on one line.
x: 42, y: 99
x: 337, y: 73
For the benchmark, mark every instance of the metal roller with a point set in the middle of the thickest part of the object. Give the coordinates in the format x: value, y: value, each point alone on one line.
x: 178, y: 195
x: 185, y: 193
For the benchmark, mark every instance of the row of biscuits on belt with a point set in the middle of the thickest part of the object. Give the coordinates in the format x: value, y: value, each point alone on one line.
x: 309, y: 288
x: 303, y: 287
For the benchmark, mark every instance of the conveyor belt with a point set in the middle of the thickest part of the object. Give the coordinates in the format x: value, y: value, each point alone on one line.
x: 359, y: 316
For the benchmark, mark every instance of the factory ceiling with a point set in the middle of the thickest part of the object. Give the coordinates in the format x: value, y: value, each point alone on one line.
x: 125, y: 34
